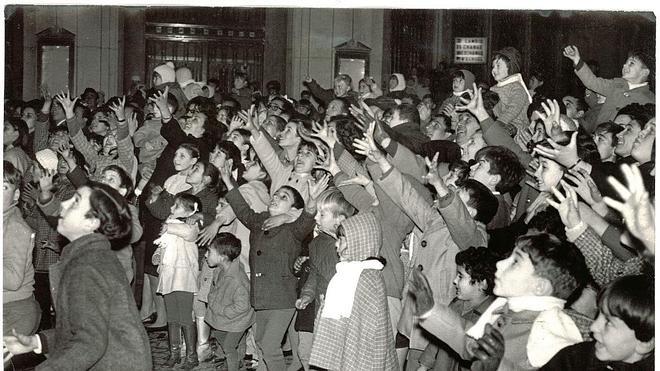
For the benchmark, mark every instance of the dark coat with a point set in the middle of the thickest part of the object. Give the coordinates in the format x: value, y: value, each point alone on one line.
x: 98, y: 324
x: 272, y: 255
x: 582, y: 357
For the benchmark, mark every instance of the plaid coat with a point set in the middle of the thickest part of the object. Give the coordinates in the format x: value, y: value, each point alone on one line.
x: 363, y: 341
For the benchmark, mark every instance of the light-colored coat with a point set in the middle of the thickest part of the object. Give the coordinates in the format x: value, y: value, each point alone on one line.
x: 445, y: 231
x: 229, y: 300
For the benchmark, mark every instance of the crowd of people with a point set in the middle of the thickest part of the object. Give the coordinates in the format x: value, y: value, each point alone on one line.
x: 488, y: 227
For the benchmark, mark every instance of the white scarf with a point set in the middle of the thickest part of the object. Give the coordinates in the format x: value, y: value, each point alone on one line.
x: 340, y: 294
x: 551, y: 331
x: 516, y: 78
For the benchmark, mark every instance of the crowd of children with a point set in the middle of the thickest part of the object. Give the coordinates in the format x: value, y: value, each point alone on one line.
x: 490, y: 228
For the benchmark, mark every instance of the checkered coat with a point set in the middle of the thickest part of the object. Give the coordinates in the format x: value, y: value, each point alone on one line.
x: 363, y: 341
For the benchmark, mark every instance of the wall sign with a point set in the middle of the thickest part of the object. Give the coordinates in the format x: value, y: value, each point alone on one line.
x: 470, y: 50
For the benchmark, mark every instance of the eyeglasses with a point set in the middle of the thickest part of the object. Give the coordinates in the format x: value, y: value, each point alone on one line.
x: 275, y: 107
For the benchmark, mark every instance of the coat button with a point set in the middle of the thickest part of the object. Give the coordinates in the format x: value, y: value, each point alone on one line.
x: 424, y: 243
x: 258, y: 252
x: 421, y: 268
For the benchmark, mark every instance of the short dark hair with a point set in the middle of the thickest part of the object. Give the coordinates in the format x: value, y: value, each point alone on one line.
x: 480, y: 263
x: 298, y: 201
x: 124, y: 178
x: 231, y: 151
x: 641, y: 113
x: 505, y: 163
x: 227, y: 244
x: 631, y: 299
x: 647, y: 59
x: 111, y: 209
x: 274, y: 84
x: 408, y: 113
x: 347, y: 130
x: 559, y: 262
x: 241, y: 75
x: 611, y: 128
x: 481, y: 199
x: 11, y: 174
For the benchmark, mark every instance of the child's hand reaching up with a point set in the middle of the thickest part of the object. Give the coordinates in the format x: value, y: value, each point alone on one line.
x: 567, y: 205
x: 160, y: 99
x: 67, y: 103
x: 366, y: 146
x: 118, y: 109
x: 571, y: 52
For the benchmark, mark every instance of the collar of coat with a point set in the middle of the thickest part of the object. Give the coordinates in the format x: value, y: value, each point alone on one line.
x: 95, y: 241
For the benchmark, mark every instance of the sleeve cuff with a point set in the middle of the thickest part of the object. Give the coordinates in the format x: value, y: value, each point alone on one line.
x: 579, y: 65
x: 443, y: 202
x: 39, y: 348
x: 572, y: 234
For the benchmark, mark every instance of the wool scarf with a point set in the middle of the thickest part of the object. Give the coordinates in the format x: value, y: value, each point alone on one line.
x: 341, y: 289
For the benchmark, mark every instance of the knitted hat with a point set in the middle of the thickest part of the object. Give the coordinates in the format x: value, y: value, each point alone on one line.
x: 47, y: 158
x: 468, y: 77
x: 363, y: 237
x: 166, y: 72
x: 514, y: 57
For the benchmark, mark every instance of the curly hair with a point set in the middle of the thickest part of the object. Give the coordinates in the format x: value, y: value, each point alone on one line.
x: 480, y: 263
x: 111, y: 209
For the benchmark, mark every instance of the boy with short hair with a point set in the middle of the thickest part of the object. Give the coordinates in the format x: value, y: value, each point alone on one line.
x: 533, y: 284
x: 632, y: 87
x: 242, y: 92
x: 475, y: 278
x: 623, y: 332
x: 499, y: 169
x: 229, y: 312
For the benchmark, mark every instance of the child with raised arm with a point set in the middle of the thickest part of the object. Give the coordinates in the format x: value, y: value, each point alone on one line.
x: 272, y: 256
x: 631, y: 87
x: 178, y: 267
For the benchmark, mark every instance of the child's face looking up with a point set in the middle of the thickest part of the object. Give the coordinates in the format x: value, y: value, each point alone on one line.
x: 305, y: 160
x: 548, y: 174
x: 458, y: 85
x: 500, y: 70
x: 515, y: 276
x: 281, y: 202
x: 289, y: 136
x: 615, y: 341
x: 183, y: 160
x: 634, y: 71
x: 253, y: 171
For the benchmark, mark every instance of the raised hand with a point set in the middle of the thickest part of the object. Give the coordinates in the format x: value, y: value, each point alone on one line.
x: 475, y: 105
x: 235, y: 123
x: 316, y: 188
x: 330, y: 163
x: 523, y: 138
x: 46, y: 180
x: 585, y: 186
x: 48, y: 99
x: 278, y: 220
x: 636, y: 208
x: 567, y: 205
x: 308, y: 79
x: 550, y: 116
x: 421, y: 289
x: 324, y: 133
x: 564, y: 155
x: 489, y: 350
x: 207, y: 234
x: 67, y: 103
x: 359, y: 179
x: 65, y: 150
x: 571, y: 52
x: 118, y: 109
x: 29, y: 194
x: 160, y: 99
x: 367, y: 146
x: 297, y: 265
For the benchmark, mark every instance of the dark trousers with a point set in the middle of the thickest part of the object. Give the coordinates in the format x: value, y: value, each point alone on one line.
x: 179, y: 305
x: 42, y: 294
